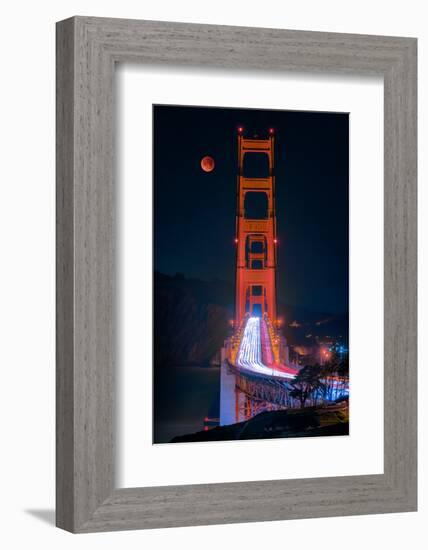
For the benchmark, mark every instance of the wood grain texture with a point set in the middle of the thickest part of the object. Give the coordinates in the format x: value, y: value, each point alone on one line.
x: 87, y: 50
x: 64, y: 277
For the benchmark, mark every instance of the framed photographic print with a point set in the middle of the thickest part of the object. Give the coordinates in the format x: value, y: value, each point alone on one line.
x: 236, y: 274
x: 223, y: 260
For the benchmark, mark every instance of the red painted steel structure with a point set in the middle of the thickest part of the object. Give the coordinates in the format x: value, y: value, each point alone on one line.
x: 255, y: 286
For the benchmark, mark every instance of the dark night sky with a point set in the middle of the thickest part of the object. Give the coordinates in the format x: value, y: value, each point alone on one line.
x: 195, y: 211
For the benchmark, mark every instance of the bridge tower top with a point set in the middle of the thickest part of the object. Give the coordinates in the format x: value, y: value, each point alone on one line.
x: 256, y: 238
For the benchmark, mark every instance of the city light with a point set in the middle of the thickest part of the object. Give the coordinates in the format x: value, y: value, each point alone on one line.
x: 240, y: 129
x: 325, y: 354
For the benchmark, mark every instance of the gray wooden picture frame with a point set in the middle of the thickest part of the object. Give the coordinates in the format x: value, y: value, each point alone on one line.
x: 87, y: 51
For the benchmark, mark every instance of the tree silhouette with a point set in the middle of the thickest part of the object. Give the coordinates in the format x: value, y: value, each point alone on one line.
x: 307, y: 383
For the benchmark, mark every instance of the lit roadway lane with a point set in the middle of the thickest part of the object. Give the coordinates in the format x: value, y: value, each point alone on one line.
x: 250, y: 353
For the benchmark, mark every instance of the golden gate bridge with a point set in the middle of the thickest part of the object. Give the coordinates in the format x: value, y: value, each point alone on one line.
x: 255, y: 360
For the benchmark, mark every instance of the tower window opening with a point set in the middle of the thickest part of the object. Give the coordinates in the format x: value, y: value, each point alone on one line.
x: 256, y: 165
x: 256, y: 205
x: 257, y: 290
x: 257, y: 247
x: 256, y: 310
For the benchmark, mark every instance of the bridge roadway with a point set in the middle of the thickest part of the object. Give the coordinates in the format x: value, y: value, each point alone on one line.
x: 250, y: 356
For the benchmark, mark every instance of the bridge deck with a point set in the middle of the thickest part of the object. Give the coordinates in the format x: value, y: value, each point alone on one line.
x: 255, y: 351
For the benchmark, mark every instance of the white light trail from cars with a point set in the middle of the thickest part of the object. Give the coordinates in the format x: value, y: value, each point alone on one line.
x: 250, y: 353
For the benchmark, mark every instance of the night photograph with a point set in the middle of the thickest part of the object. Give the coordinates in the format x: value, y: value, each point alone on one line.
x: 251, y: 281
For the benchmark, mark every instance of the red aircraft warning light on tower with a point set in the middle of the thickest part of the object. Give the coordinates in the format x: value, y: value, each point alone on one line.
x: 256, y: 238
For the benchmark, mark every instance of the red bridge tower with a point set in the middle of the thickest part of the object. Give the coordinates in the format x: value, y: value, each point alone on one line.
x: 255, y: 237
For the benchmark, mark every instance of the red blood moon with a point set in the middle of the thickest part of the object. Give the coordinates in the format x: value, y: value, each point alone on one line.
x: 207, y: 164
